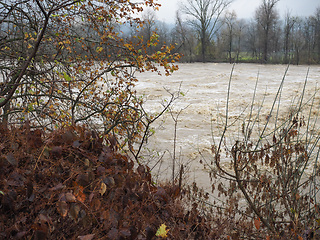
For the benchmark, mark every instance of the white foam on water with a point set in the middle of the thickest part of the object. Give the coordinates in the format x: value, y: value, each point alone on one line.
x: 205, y: 88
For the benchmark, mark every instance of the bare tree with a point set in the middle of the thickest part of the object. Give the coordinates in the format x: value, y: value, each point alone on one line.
x: 288, y: 27
x: 240, y: 27
x: 266, y: 18
x: 183, y: 36
x: 252, y: 39
x: 316, y: 24
x: 205, y: 15
x: 230, y: 22
x: 298, y: 40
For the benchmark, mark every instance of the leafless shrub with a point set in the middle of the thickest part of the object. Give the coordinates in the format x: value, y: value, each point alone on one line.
x: 268, y: 177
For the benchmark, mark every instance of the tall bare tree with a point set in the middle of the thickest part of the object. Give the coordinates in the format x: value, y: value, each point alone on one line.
x: 316, y: 24
x: 183, y: 36
x: 298, y: 40
x: 251, y: 39
x: 240, y: 27
x: 230, y: 21
x: 266, y: 18
x: 204, y: 18
x: 288, y: 28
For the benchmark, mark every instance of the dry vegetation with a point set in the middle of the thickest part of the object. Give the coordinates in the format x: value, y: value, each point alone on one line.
x: 69, y: 185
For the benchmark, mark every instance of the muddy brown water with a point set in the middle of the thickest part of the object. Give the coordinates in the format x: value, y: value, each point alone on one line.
x: 204, y: 88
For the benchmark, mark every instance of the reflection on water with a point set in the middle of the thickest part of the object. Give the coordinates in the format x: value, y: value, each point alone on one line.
x: 205, y: 92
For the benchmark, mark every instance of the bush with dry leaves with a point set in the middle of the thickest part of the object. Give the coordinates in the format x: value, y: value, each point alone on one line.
x: 70, y: 185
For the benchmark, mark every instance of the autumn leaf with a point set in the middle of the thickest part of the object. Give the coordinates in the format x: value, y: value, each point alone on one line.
x: 103, y: 188
x: 78, y: 193
x: 86, y: 237
x: 162, y: 232
x: 74, y: 211
x: 70, y: 197
x: 62, y: 208
x: 99, y: 49
x: 11, y: 159
x: 59, y: 186
x: 257, y: 223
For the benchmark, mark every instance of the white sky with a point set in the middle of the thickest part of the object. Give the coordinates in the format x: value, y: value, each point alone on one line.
x: 244, y: 8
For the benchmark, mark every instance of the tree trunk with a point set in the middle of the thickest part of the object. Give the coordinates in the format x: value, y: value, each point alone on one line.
x: 203, y: 47
x: 265, y: 47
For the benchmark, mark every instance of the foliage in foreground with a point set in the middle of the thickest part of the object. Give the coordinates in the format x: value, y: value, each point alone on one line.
x: 67, y: 62
x: 70, y: 185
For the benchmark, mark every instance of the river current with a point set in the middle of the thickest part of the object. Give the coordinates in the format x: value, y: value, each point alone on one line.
x: 202, y: 107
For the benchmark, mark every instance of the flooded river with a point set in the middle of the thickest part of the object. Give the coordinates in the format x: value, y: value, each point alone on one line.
x: 202, y: 107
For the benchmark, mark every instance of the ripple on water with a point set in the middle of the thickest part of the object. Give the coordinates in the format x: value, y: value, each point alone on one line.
x: 205, y: 89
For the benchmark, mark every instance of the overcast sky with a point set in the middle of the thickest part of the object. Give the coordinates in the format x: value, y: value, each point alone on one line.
x: 245, y: 8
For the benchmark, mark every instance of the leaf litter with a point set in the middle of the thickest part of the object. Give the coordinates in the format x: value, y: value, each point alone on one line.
x: 69, y: 185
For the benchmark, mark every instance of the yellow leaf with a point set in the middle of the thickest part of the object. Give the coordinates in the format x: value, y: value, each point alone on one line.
x: 103, y: 188
x: 99, y: 49
x: 162, y: 232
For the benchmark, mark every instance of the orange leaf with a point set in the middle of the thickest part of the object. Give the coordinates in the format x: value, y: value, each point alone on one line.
x: 257, y: 223
x: 78, y: 193
x: 81, y: 197
x: 268, y: 237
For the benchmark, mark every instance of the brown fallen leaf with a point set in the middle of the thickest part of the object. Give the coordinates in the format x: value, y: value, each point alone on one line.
x: 70, y: 197
x: 86, y: 237
x: 62, y: 208
x: 11, y: 159
x: 74, y: 211
x: 57, y: 187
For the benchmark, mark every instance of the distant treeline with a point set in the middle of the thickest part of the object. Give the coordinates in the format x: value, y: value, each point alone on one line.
x: 219, y: 36
x: 265, y: 38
